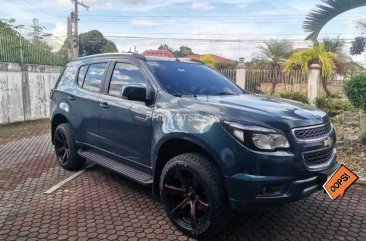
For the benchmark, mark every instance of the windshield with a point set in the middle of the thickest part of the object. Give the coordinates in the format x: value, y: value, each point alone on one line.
x: 179, y: 78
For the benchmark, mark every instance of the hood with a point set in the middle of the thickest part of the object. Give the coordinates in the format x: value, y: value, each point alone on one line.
x: 258, y: 110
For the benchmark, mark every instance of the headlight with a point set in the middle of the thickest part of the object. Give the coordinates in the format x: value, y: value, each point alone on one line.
x: 259, y: 137
x: 270, y: 141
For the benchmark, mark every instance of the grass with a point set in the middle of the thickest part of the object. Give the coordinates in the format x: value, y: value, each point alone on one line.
x: 18, y: 130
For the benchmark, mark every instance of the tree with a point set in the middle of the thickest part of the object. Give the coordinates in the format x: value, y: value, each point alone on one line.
x: 315, y: 55
x: 18, y: 49
x: 276, y: 52
x: 256, y: 63
x: 183, y: 51
x: 93, y: 42
x: 165, y: 47
x: 8, y: 25
x: 318, y: 18
x: 38, y: 35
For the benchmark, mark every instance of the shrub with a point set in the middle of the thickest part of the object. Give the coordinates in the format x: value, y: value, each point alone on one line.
x: 295, y: 96
x: 333, y: 106
x: 356, y: 91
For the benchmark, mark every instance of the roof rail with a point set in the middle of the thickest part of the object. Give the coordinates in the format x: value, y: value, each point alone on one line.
x: 138, y: 56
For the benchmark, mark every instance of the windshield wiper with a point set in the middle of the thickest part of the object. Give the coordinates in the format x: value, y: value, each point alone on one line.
x: 225, y: 93
x: 185, y: 95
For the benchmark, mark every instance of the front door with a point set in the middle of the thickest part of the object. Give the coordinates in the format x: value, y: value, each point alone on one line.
x: 125, y: 125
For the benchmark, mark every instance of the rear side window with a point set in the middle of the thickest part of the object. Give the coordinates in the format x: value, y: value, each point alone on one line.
x: 94, y: 77
x: 82, y: 73
x: 68, y: 77
x: 124, y: 73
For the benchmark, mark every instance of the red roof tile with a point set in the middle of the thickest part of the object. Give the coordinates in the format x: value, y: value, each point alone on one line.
x: 216, y: 58
x: 159, y: 53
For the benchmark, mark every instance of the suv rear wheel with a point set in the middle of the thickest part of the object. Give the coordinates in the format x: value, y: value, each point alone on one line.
x: 66, y: 148
x: 193, y: 195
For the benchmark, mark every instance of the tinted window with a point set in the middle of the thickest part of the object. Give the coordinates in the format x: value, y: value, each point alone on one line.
x: 81, y: 75
x: 125, y: 74
x: 180, y: 78
x: 94, y: 77
x: 68, y: 76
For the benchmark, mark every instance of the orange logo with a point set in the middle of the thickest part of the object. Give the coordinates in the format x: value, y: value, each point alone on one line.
x: 339, y: 182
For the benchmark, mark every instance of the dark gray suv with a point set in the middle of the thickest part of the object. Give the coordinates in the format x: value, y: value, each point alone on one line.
x: 203, y: 144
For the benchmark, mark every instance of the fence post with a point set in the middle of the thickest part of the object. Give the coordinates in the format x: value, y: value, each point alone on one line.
x: 313, y: 83
x: 240, y: 75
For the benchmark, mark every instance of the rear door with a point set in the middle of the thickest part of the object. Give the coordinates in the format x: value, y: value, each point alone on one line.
x: 85, y: 102
x: 125, y: 125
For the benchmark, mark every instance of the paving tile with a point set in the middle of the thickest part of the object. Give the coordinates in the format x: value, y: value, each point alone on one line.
x: 100, y: 205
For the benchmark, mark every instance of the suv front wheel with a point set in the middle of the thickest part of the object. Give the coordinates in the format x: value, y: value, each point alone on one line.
x: 66, y: 148
x: 193, y: 195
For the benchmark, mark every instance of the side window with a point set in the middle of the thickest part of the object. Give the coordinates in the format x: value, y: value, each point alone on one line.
x: 81, y: 75
x: 124, y: 73
x: 94, y: 77
x: 68, y: 76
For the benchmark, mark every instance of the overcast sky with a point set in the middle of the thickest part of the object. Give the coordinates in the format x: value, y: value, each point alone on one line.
x: 231, y: 28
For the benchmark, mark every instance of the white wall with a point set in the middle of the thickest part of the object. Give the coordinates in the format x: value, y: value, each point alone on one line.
x: 24, y: 91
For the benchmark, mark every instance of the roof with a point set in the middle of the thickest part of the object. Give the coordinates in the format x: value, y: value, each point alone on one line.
x: 159, y: 53
x: 133, y: 55
x: 112, y: 55
x: 216, y: 58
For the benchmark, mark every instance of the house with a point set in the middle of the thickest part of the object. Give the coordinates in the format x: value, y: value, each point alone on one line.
x: 159, y: 53
x: 215, y: 58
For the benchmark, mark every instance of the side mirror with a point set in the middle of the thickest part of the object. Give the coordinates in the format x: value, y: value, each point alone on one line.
x: 134, y: 92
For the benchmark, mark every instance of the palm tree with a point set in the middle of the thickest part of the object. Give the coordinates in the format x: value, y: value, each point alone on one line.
x: 276, y: 52
x: 315, y: 55
x: 319, y: 17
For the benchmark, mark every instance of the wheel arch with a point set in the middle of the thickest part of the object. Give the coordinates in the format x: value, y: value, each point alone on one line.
x: 175, y: 146
x: 57, y: 119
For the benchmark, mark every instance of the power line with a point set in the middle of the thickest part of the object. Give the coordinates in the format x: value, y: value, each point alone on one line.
x: 43, y: 11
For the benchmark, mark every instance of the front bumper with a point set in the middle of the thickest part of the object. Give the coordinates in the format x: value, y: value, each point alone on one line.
x: 251, y: 191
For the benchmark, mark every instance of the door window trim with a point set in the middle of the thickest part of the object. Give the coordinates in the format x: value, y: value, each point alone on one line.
x: 103, y: 77
x: 77, y: 75
x: 110, y: 74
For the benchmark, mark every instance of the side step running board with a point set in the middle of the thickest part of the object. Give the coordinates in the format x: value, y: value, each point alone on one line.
x: 118, y: 167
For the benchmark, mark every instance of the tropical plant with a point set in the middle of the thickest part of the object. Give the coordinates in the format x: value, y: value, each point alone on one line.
x: 318, y: 18
x: 276, y: 51
x: 334, y: 45
x: 209, y: 60
x: 315, y: 55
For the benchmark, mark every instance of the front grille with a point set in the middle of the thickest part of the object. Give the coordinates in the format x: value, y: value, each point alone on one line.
x: 317, y: 157
x: 312, y: 132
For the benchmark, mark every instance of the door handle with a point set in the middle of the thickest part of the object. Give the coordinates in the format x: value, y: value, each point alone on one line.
x: 71, y: 98
x: 104, y: 105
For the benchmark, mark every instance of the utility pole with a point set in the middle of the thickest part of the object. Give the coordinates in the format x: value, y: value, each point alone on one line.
x: 74, y: 20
